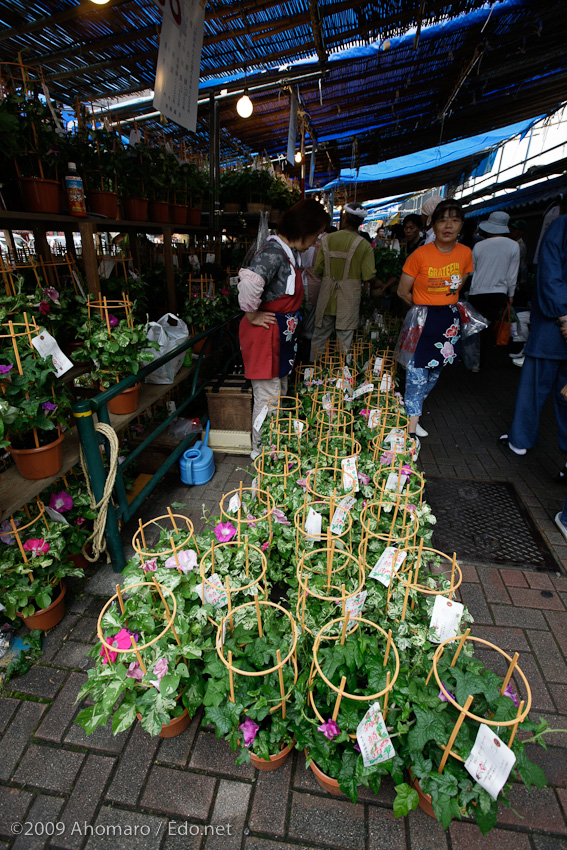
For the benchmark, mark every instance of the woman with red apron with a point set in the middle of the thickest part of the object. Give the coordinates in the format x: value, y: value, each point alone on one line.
x: 270, y: 291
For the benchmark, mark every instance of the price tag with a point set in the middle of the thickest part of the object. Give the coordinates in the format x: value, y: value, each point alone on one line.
x: 47, y: 346
x: 363, y: 389
x: 374, y: 417
x: 210, y: 258
x: 349, y: 359
x: 349, y: 466
x: 55, y: 515
x: 259, y: 421
x: 490, y: 761
x: 234, y: 281
x: 338, y: 522
x: 389, y: 562
x: 214, y: 594
x: 386, y: 383
x: 446, y: 618
x: 354, y: 605
x: 298, y: 427
x: 327, y: 403
x: 374, y: 335
x: 372, y: 737
x: 347, y: 372
x: 378, y: 365
x: 171, y: 406
x: 313, y: 525
x: 395, y: 483
x: 396, y: 439
x: 347, y: 503
x: 235, y: 504
x: 254, y: 487
x: 308, y: 374
x: 223, y: 635
x: 342, y: 383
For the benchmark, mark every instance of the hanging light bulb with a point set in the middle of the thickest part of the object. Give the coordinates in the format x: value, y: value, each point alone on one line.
x: 100, y: 2
x: 298, y: 156
x: 244, y: 107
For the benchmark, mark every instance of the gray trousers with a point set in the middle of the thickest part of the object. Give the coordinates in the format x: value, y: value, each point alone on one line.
x: 322, y: 334
x: 263, y: 391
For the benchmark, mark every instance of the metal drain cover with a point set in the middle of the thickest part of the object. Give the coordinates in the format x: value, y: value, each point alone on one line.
x: 486, y: 522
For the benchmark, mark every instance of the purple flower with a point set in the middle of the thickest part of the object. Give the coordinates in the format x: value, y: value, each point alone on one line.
x: 273, y: 453
x: 251, y: 519
x: 7, y: 535
x: 186, y: 560
x: 112, y: 320
x: 51, y: 292
x: 329, y: 729
x: 356, y: 748
x: 135, y: 671
x: 44, y: 308
x: 137, y: 428
x: 249, y: 730
x: 302, y: 483
x: 81, y: 520
x: 61, y: 502
x: 406, y: 470
x: 443, y: 694
x: 363, y: 478
x: 48, y: 405
x: 291, y: 465
x: 280, y: 517
x: 133, y: 276
x: 160, y: 669
x: 509, y: 692
x: 224, y: 532
x: 150, y: 566
x: 4, y: 370
x: 386, y: 458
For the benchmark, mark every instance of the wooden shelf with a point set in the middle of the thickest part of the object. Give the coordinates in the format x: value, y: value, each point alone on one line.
x: 20, y: 220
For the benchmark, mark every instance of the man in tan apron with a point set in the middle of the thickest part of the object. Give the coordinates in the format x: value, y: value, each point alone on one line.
x: 344, y: 260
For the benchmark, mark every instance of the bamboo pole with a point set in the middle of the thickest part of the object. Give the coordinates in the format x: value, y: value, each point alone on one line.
x: 454, y: 733
x: 168, y: 612
x: 259, y: 618
x: 339, y: 698
x: 281, y: 681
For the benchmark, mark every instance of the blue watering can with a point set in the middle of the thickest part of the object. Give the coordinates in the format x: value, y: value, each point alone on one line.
x: 197, y: 464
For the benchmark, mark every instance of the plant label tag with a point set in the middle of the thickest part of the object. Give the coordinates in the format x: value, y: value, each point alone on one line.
x: 374, y: 417
x: 490, y: 761
x: 445, y: 618
x: 234, y: 280
x: 55, y: 515
x: 366, y: 365
x: 308, y: 374
x: 389, y: 563
x: 349, y: 359
x: 313, y: 524
x: 354, y: 605
x: 223, y: 634
x: 213, y: 592
x: 348, y: 395
x: 298, y: 427
x: 386, y: 383
x: 349, y: 466
x: 363, y: 389
x: 338, y: 522
x: 259, y: 421
x: 395, y: 439
x: 372, y: 737
x: 235, y: 504
x: 374, y: 335
x: 77, y: 280
x: 347, y: 503
x: 47, y: 346
x: 327, y: 403
x: 255, y: 487
x: 378, y: 365
x: 347, y: 372
x: 396, y: 483
x: 342, y: 383
x: 171, y: 406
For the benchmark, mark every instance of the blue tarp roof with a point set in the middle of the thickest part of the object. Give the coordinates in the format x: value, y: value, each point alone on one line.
x: 432, y: 157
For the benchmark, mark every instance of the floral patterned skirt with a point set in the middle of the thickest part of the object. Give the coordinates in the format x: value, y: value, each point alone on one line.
x: 440, y: 339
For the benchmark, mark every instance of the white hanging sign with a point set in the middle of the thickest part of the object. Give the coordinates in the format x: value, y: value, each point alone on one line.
x: 308, y: 374
x: 374, y: 417
x: 213, y: 592
x: 363, y: 389
x: 298, y: 427
x: 47, y: 346
x: 386, y: 383
x: 55, y: 515
x: 349, y: 466
x: 395, y: 483
x: 235, y: 504
x: 446, y: 618
x: 389, y: 563
x: 292, y: 132
x: 313, y: 525
x: 372, y: 737
x: 490, y: 761
x: 259, y: 421
x: 377, y: 365
x: 354, y: 605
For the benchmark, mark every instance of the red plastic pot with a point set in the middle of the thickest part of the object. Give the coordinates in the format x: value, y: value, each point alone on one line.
x: 178, y: 213
x: 126, y: 402
x: 135, y: 209
x: 327, y: 783
x: 159, y: 211
x: 40, y: 195
x: 194, y: 216
x: 424, y: 799
x: 35, y: 464
x: 103, y: 203
x: 175, y: 726
x: 48, y: 617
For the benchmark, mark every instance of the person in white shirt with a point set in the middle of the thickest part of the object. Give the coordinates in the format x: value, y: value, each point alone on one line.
x: 496, y: 262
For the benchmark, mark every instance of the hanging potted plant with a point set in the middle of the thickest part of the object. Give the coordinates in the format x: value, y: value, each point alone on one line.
x: 159, y: 183
x: 99, y: 156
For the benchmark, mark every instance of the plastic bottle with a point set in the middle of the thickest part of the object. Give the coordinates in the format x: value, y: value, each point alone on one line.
x: 75, y: 193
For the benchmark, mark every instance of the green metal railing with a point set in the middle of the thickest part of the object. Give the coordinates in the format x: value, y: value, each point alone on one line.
x: 91, y: 439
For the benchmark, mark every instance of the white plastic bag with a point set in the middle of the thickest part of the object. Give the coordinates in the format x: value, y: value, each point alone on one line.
x: 168, y: 332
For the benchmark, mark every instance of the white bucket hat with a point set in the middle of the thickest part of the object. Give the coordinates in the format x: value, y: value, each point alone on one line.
x: 497, y: 222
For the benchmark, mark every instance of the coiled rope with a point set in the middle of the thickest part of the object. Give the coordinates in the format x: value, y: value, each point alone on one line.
x: 97, y: 538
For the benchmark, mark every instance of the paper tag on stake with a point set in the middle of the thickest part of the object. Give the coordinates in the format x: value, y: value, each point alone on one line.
x: 377, y: 365
x: 327, y: 403
x: 308, y: 374
x: 374, y: 417
x: 490, y: 761
x: 347, y: 503
x: 298, y: 427
x: 395, y: 483
x: 338, y: 522
x: 235, y: 504
x: 363, y: 389
x: 386, y: 383
x: 259, y: 421
x: 313, y: 524
x: 255, y: 487
x: 214, y: 594
x: 348, y: 465
x: 372, y: 737
x: 354, y: 605
x: 446, y: 618
x: 347, y: 372
x: 389, y: 562
x: 47, y: 346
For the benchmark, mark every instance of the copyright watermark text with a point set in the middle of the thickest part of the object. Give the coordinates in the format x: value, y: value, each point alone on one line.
x: 82, y: 828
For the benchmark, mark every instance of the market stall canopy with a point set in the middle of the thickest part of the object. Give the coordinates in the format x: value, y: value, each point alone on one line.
x: 375, y: 79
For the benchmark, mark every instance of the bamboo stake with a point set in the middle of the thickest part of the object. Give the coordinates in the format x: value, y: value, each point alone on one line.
x: 388, y: 647
x: 460, y: 646
x: 453, y: 565
x: 229, y: 603
x: 213, y: 557
x: 260, y: 632
x: 230, y: 676
x: 168, y: 612
x: 339, y: 698
x: 345, y: 621
x: 120, y: 600
x: 138, y: 655
x: 174, y: 547
x: 280, y: 677
x: 509, y: 673
x: 142, y: 535
x: 386, y: 695
x: 454, y: 733
x: 515, y: 726
x: 172, y: 518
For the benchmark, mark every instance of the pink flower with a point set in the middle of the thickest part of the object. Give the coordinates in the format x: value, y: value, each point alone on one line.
x: 37, y: 546
x: 411, y: 508
x: 386, y: 458
x: 249, y: 731
x: 51, y: 292
x: 135, y: 671
x: 225, y: 291
x: 265, y: 545
x: 61, y: 502
x: 121, y: 640
x: 81, y: 520
x: 44, y: 308
x: 137, y: 428
x: 329, y: 729
x: 7, y: 535
x: 364, y: 413
x: 112, y: 320
x: 160, y: 669
x: 509, y: 692
x: 363, y: 478
x: 187, y: 561
x: 280, y: 517
x: 251, y: 519
x: 406, y: 470
x: 108, y: 653
x: 273, y: 453
x: 356, y: 748
x: 302, y: 483
x: 443, y: 694
x: 224, y: 532
x: 149, y: 566
x: 447, y: 350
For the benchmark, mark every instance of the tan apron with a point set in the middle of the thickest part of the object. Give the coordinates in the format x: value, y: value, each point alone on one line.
x: 348, y: 289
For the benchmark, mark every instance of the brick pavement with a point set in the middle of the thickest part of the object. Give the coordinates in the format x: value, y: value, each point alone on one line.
x: 51, y: 772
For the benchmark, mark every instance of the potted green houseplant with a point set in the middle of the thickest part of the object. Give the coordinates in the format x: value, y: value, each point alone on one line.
x: 132, y: 183
x: 99, y: 156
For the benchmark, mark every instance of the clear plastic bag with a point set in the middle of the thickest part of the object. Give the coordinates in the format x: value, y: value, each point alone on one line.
x: 181, y: 428
x: 471, y: 320
x: 410, y: 334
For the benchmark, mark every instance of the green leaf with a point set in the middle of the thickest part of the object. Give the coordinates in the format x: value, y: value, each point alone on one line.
x: 406, y: 800
x: 429, y: 726
x: 486, y: 820
x: 169, y: 685
x: 123, y: 717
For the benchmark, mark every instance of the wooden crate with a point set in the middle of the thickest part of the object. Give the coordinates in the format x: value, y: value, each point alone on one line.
x: 229, y: 400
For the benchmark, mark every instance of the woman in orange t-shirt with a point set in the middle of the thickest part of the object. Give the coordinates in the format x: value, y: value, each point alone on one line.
x: 433, y: 276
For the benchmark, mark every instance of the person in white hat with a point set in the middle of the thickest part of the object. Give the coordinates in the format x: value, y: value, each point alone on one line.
x: 496, y: 263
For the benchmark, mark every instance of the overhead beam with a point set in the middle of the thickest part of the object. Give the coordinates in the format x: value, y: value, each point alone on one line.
x: 86, y: 8
x: 84, y: 70
x: 79, y: 49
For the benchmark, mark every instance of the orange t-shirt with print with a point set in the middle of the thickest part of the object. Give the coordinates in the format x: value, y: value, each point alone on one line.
x: 438, y: 277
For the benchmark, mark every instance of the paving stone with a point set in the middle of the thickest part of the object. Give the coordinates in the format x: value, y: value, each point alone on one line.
x: 73, y: 654
x: 549, y: 842
x: 253, y: 843
x: 513, y: 578
x: 303, y: 777
x: 469, y: 573
x: 16, y: 737
x: 523, y: 598
x: 270, y: 803
x: 494, y: 588
x: 101, y: 739
x: 540, y: 581
x: 178, y: 835
x: 176, y: 750
x: 79, y: 604
x: 116, y: 829
x: 474, y: 599
x: 85, y: 799
x: 558, y: 624
x: 54, y: 639
x: 39, y: 682
x: 13, y: 807
x: 174, y: 792
x: 552, y: 761
x: 134, y: 764
x: 384, y: 797
x: 560, y: 582
x: 326, y: 821
x: 43, y: 814
x: 562, y: 795
x: 85, y: 630
x: 48, y: 768
x: 229, y: 815
x: 467, y: 836
x: 425, y: 832
x: 539, y: 804
x: 63, y: 710
x: 559, y: 694
x: 215, y: 756
x: 385, y: 832
x: 7, y: 709
x: 541, y: 698
x: 549, y: 658
x: 506, y: 615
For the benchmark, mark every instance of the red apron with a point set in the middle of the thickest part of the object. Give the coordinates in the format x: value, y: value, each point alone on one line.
x: 261, y: 346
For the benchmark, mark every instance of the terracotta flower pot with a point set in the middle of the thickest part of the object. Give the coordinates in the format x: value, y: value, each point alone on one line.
x: 159, y: 211
x: 103, y: 203
x: 35, y: 464
x: 135, y: 209
x: 424, y: 799
x: 126, y: 402
x: 50, y: 616
x: 327, y: 783
x: 175, y: 726
x: 40, y: 195
x: 194, y: 216
x: 178, y: 213
x: 78, y: 560
x: 274, y: 762
x: 231, y: 207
